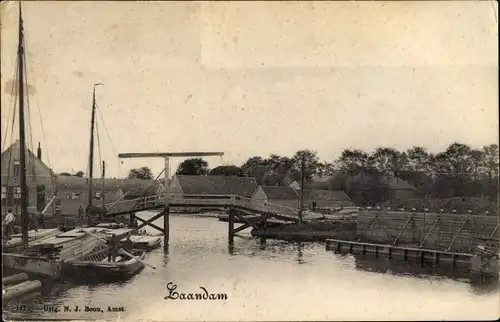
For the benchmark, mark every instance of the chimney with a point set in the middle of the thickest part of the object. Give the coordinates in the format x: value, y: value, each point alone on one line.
x: 39, y: 152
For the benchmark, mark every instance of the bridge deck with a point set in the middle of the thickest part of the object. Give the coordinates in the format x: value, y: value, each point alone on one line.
x: 203, y: 201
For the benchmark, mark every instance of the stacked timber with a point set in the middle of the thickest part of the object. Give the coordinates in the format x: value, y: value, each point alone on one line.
x: 69, y: 245
x: 33, y: 236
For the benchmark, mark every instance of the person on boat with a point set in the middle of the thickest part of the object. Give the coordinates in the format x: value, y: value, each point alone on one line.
x: 80, y: 214
x: 8, y: 223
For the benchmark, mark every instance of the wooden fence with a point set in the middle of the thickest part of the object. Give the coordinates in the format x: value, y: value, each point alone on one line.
x: 451, y: 232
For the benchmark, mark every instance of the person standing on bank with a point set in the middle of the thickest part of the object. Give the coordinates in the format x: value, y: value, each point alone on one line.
x: 8, y: 223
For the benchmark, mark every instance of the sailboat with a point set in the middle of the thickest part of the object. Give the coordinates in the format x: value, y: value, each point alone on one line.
x: 45, y: 255
x: 91, y: 210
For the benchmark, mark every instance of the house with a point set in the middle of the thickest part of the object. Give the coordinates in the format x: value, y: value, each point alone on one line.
x: 315, y: 198
x: 368, y: 188
x: 323, y: 192
x: 40, y: 179
x: 401, y: 189
x: 281, y: 195
x: 213, y: 185
x: 73, y: 191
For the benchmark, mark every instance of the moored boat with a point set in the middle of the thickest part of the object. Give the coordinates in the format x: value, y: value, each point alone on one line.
x: 102, y: 267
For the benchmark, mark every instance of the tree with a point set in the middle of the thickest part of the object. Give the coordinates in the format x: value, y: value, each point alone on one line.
x: 227, y: 170
x: 251, y: 164
x: 389, y: 161
x: 418, y: 159
x: 257, y: 168
x: 280, y: 169
x: 193, y: 166
x: 489, y: 161
x: 456, y: 171
x: 352, y: 162
x: 140, y: 173
x: 80, y: 174
x: 311, y: 161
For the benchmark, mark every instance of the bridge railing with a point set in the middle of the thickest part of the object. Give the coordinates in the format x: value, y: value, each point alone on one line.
x: 208, y: 200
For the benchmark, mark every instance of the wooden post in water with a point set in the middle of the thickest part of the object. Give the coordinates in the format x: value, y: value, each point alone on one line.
x: 166, y: 212
x: 302, y: 169
x: 231, y: 227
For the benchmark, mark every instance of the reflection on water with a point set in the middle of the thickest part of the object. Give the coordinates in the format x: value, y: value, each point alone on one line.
x: 272, y: 281
x: 398, y: 267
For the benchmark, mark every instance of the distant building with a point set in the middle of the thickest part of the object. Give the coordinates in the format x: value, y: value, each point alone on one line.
x: 397, y: 188
x: 40, y: 179
x: 73, y: 191
x: 317, y: 197
x: 213, y: 185
x: 401, y: 189
x: 314, y: 198
x: 281, y: 195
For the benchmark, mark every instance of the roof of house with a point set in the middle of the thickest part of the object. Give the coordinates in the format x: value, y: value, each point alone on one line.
x: 399, y: 184
x: 132, y: 186
x: 214, y: 185
x: 334, y: 195
x: 280, y: 192
x: 14, y: 151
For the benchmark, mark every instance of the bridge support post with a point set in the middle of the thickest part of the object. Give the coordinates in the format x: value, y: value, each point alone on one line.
x: 231, y: 227
x: 131, y: 220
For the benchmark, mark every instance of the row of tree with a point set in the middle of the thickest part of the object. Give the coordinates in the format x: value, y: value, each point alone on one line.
x: 459, y: 171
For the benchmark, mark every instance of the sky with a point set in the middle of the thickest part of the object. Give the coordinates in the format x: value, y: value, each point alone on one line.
x: 252, y: 79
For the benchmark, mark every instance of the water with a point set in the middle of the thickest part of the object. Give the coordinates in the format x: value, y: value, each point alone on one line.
x: 283, y: 281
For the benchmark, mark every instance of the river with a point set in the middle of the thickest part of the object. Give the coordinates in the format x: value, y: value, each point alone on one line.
x: 280, y: 281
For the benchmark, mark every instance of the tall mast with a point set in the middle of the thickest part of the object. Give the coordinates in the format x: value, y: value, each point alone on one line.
x: 91, y: 155
x: 22, y: 138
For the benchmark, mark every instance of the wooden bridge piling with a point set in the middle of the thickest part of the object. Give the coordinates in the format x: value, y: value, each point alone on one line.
x: 231, y: 227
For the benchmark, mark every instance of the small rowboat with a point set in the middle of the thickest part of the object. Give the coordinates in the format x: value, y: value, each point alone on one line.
x: 101, y: 267
x: 142, y: 242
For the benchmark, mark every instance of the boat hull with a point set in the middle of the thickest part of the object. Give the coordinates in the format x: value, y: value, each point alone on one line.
x: 32, y: 265
x: 88, y: 271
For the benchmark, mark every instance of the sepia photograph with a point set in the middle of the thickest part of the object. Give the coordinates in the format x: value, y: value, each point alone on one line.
x: 250, y: 160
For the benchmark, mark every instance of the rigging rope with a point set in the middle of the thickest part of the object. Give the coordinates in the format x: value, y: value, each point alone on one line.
x: 9, y: 164
x: 108, y: 135
x: 99, y: 150
x: 14, y: 105
x: 44, y: 137
x: 149, y: 187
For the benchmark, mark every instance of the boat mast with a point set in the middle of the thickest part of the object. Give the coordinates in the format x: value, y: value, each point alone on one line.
x: 22, y: 137
x: 102, y: 188
x: 91, y: 155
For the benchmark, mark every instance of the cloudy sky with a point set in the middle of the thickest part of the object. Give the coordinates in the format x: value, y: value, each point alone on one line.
x: 254, y: 78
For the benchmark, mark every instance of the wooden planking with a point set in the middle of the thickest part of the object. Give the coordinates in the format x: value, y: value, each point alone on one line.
x: 389, y: 224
